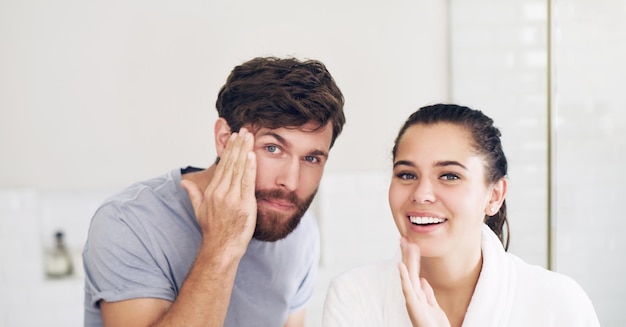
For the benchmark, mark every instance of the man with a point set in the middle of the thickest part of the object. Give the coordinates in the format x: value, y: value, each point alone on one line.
x: 231, y: 245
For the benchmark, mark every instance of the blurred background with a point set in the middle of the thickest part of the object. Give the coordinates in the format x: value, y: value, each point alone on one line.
x: 95, y: 95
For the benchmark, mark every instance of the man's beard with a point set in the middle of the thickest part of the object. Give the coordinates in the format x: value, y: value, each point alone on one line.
x: 272, y: 226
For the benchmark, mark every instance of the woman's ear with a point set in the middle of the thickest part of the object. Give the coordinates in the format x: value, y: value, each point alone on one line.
x: 222, y: 132
x: 498, y: 194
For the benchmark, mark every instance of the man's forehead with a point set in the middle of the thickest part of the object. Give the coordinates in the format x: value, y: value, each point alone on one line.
x: 312, y: 137
x: 309, y: 127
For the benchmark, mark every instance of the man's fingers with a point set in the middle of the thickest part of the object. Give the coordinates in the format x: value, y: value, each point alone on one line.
x: 232, y: 165
x: 240, y: 153
x: 224, y: 164
x: 248, y: 181
x: 195, y: 193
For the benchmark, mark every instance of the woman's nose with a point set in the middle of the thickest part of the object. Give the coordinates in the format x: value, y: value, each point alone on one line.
x: 423, y: 192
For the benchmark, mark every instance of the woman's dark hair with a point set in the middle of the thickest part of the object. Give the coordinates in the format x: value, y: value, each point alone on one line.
x: 485, y: 141
x: 273, y: 93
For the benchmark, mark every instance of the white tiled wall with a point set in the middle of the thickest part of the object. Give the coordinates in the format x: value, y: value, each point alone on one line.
x: 356, y: 227
x: 28, y: 220
x: 590, y: 47
x: 354, y: 219
x: 499, y: 64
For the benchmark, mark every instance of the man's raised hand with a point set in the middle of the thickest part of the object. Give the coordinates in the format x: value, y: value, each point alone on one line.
x: 226, y: 210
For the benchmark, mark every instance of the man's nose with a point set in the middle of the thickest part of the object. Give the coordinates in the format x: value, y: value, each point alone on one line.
x: 289, y: 175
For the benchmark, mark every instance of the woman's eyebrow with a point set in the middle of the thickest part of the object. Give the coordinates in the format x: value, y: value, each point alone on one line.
x: 443, y: 163
x: 449, y: 163
x: 403, y: 162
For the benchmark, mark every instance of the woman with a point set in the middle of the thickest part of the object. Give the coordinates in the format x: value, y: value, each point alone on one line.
x: 447, y: 197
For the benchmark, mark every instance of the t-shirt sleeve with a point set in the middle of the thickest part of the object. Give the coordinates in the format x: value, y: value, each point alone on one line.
x: 119, y: 261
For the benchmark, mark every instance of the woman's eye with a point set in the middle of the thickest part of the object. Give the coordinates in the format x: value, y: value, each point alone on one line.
x: 406, y: 176
x: 450, y: 177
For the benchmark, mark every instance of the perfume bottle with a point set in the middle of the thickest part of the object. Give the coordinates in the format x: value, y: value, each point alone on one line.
x: 58, y: 261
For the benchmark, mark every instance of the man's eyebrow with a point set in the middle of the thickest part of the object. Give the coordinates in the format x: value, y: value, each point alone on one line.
x: 319, y: 153
x: 278, y: 138
x: 286, y: 143
x: 437, y: 164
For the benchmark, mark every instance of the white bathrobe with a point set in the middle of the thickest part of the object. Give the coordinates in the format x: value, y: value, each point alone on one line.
x: 509, y: 293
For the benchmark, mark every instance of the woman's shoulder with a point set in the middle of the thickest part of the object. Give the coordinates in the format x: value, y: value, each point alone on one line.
x: 371, y: 274
x: 558, y: 295
x: 367, y: 295
x: 551, y: 282
x: 379, y: 280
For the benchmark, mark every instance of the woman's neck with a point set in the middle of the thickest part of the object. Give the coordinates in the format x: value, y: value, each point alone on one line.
x: 453, y: 280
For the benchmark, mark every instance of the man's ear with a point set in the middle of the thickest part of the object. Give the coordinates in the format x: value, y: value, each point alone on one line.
x: 498, y: 194
x: 222, y: 132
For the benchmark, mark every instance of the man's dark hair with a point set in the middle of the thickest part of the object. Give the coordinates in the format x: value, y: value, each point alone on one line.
x: 272, y: 92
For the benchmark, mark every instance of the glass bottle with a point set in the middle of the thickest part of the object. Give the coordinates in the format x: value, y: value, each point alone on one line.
x: 58, y: 259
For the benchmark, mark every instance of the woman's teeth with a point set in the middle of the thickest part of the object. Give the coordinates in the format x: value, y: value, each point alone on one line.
x: 426, y: 220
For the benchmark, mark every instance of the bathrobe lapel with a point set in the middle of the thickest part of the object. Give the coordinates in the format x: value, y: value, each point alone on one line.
x: 493, y: 297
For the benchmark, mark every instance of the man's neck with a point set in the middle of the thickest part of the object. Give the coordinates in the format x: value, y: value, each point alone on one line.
x: 201, y: 178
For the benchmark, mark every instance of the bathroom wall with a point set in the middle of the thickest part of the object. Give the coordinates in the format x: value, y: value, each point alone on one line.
x: 102, y: 93
x: 28, y: 220
x: 590, y: 138
x: 500, y: 64
x: 96, y: 95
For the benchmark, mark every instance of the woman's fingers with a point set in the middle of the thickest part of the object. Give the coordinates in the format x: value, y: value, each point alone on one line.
x: 411, y: 258
x: 421, y: 304
x: 429, y: 293
x: 407, y: 285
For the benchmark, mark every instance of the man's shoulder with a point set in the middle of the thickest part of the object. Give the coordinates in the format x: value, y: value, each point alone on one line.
x: 143, y: 198
x: 145, y: 190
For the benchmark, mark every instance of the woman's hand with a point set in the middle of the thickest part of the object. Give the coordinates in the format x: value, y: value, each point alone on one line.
x: 421, y: 303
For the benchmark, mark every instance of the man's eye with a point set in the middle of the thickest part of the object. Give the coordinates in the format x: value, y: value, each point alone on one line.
x: 311, y: 159
x: 271, y: 149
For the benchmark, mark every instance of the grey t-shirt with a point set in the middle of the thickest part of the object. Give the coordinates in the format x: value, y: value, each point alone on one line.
x: 143, y: 241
